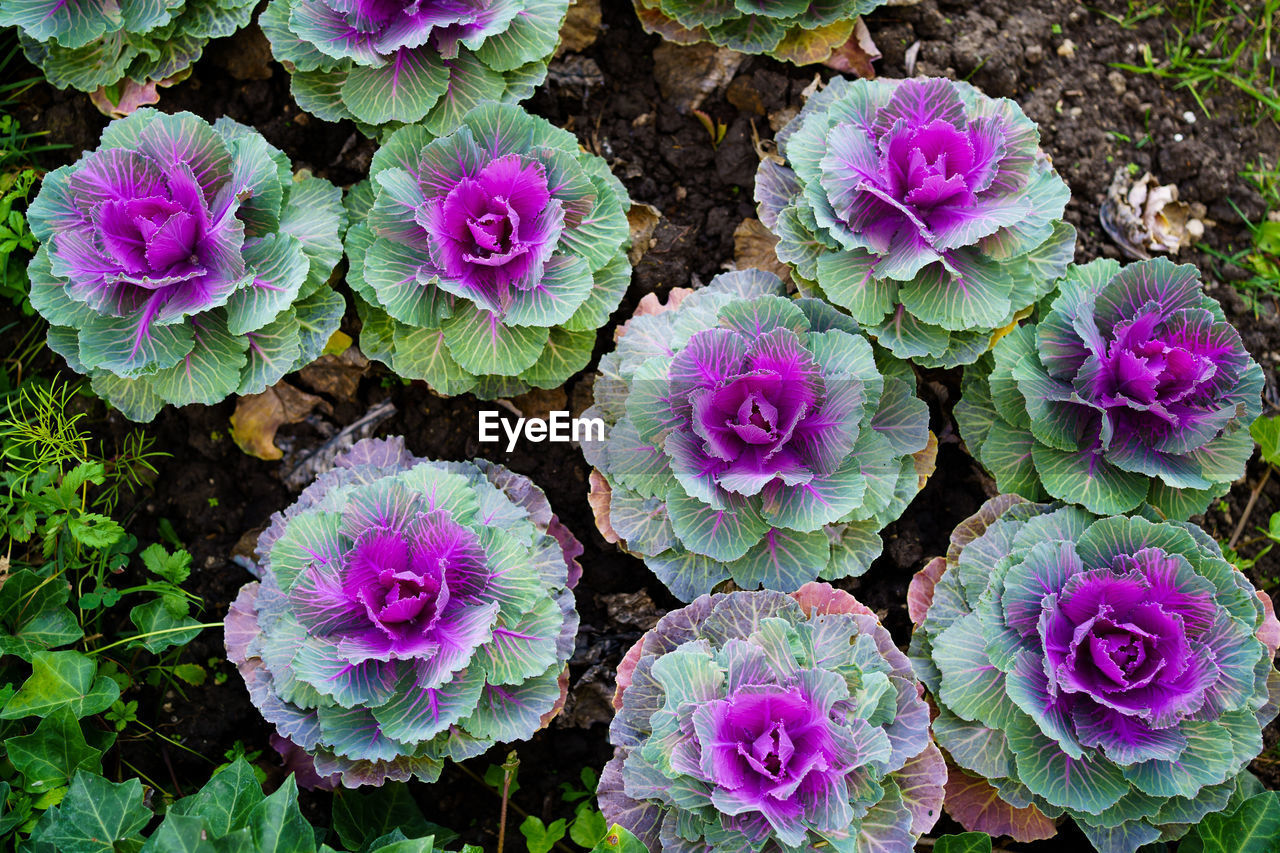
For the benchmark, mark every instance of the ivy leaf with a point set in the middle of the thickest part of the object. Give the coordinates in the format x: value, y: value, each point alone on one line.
x: 965, y: 842
x: 175, y: 567
x: 278, y: 825
x: 361, y: 816
x: 226, y: 800
x: 58, y: 680
x: 54, y: 752
x: 97, y: 816
x: 538, y: 836
x: 1252, y: 828
x: 34, y: 615
x: 154, y: 617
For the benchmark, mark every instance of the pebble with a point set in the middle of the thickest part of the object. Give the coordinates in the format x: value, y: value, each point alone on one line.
x: 1177, y: 137
x: 1116, y: 79
x: 1067, y: 49
x: 1189, y: 117
x: 1034, y: 54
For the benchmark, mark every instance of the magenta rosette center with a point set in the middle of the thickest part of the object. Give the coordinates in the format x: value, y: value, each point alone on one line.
x: 770, y: 751
x: 495, y: 230
x: 750, y: 405
x: 1153, y: 376
x: 1123, y: 648
x: 148, y: 241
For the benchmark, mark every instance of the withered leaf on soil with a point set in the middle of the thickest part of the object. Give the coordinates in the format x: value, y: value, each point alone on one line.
x: 258, y: 417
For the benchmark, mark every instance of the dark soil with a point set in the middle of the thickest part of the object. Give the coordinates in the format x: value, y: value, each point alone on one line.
x: 1053, y: 56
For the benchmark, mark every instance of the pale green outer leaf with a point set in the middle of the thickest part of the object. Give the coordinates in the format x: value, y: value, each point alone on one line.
x: 61, y: 679
x: 686, y: 575
x: 1007, y: 454
x: 782, y: 559
x: 822, y: 500
x: 392, y: 270
x: 319, y: 92
x: 423, y: 354
x: 972, y: 687
x: 565, y: 354
x: 849, y: 279
x: 637, y: 464
x: 319, y: 316
x: 211, y: 371
x: 133, y: 397
x: 973, y: 293
x: 1088, y: 479
x: 1079, y: 785
x: 524, y: 649
x: 412, y: 715
x: 642, y: 522
x: 405, y: 89
x: 610, y: 283
x: 532, y: 35
x: 854, y: 546
x: 481, y: 344
x: 467, y: 84
x: 273, y: 352
x: 118, y: 344
x: 513, y: 712
x: 722, y: 534
x: 566, y: 283
x: 279, y: 268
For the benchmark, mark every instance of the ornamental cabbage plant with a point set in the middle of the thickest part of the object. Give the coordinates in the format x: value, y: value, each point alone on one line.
x: 762, y: 721
x: 1132, y: 387
x: 490, y: 256
x: 383, y: 63
x: 922, y: 207
x: 1115, y: 669
x: 798, y: 31
x: 120, y: 50
x: 407, y: 612
x: 753, y: 437
x: 182, y: 262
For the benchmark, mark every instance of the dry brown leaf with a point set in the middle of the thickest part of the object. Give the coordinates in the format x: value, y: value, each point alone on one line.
x: 754, y: 248
x: 856, y: 55
x: 642, y: 219
x: 687, y: 74
x: 581, y: 27
x: 336, y: 375
x: 258, y: 417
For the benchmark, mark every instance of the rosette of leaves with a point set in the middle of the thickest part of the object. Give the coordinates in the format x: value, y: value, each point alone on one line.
x: 1117, y: 670
x: 753, y: 437
x: 182, y: 262
x: 121, y: 50
x: 408, y: 612
x: 386, y: 63
x: 798, y: 31
x: 490, y: 256
x: 1131, y: 387
x: 922, y: 207
x: 762, y: 721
